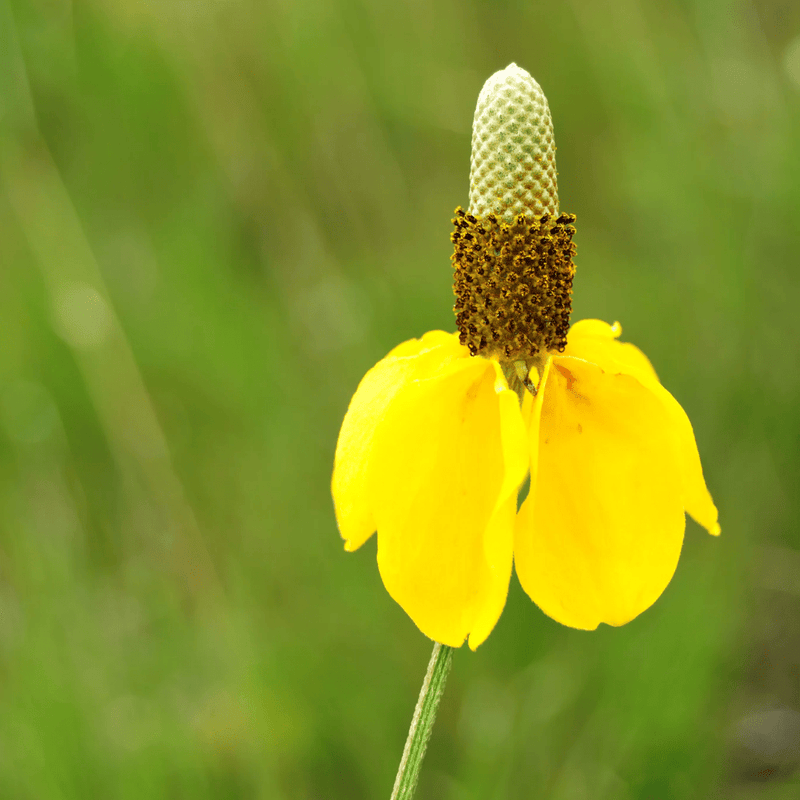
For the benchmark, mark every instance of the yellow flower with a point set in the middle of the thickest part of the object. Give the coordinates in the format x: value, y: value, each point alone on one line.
x: 441, y: 433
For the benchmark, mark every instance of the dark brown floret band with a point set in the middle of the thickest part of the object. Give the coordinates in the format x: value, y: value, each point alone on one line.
x: 513, y: 283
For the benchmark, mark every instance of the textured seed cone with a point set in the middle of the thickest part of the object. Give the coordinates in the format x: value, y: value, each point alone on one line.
x: 513, y: 168
x: 513, y: 250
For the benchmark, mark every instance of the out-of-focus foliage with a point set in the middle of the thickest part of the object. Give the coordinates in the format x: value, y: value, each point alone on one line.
x: 214, y: 217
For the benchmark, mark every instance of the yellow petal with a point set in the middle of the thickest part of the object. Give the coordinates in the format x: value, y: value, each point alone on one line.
x: 498, y: 543
x: 599, y: 535
x: 447, y: 463
x: 598, y: 342
x: 532, y: 414
x: 595, y: 341
x: 412, y: 360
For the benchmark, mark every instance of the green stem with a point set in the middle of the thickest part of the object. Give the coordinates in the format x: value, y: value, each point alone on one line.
x: 422, y: 723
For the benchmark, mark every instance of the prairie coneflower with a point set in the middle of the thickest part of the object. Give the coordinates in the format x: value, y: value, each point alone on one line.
x: 441, y: 433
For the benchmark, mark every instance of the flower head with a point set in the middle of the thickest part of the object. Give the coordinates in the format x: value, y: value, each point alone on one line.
x: 441, y: 433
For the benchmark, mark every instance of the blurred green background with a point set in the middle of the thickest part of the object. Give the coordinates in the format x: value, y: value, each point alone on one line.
x: 214, y: 218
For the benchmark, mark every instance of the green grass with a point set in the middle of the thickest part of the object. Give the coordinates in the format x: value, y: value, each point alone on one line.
x: 214, y: 218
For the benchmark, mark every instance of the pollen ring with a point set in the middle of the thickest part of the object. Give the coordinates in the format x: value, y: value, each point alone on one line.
x: 513, y: 283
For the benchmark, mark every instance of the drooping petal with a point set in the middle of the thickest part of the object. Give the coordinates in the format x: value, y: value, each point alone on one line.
x: 448, y: 460
x: 532, y: 415
x: 596, y: 341
x: 599, y: 535
x: 412, y: 360
x: 498, y: 544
